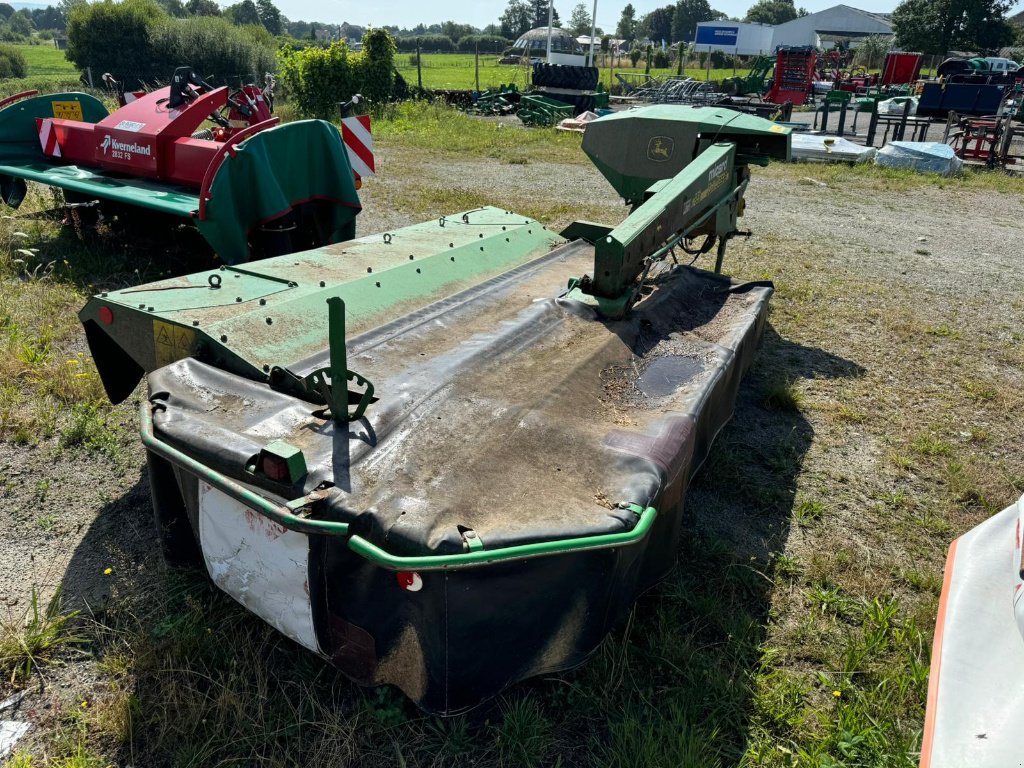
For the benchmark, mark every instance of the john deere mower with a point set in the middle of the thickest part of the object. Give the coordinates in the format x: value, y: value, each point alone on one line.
x: 450, y: 456
x: 253, y: 188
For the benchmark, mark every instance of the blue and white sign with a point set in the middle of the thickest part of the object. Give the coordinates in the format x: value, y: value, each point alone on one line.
x: 724, y: 37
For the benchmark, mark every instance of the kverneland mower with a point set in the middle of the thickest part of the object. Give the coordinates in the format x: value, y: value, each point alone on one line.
x: 450, y: 456
x: 253, y: 188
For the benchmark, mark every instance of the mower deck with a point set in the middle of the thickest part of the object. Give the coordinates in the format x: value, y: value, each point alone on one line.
x: 156, y: 196
x: 518, y: 483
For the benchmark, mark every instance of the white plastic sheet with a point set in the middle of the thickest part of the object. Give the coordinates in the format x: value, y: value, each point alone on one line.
x: 829, y: 149
x: 895, y: 106
x: 921, y: 156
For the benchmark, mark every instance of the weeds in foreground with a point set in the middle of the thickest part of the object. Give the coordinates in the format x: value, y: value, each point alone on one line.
x: 26, y: 645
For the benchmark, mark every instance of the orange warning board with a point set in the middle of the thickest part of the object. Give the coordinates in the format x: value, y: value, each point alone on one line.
x: 67, y: 110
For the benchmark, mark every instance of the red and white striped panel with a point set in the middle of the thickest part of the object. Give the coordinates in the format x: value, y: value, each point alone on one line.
x: 355, y: 132
x: 48, y: 137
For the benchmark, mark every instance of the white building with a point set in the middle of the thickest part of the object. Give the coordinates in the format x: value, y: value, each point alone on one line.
x: 734, y: 37
x: 819, y: 30
x: 823, y: 28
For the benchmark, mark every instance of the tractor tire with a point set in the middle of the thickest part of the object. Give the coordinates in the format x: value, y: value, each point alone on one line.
x: 588, y: 78
x: 546, y: 76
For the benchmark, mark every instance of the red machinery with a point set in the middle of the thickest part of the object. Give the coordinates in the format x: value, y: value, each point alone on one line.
x: 153, y: 134
x: 794, y: 75
x: 251, y: 187
x: 901, y: 68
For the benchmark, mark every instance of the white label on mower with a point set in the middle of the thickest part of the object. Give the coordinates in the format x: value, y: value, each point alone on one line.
x: 130, y: 125
x: 261, y: 564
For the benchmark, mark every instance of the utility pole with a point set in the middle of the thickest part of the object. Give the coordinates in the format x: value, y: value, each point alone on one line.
x: 593, y: 29
x: 551, y: 10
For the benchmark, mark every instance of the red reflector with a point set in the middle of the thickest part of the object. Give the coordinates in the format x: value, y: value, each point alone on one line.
x: 106, y: 316
x: 409, y: 580
x: 274, y: 467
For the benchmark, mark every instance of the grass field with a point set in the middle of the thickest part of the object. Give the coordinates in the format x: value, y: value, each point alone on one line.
x: 457, y: 70
x: 47, y: 68
x: 796, y: 628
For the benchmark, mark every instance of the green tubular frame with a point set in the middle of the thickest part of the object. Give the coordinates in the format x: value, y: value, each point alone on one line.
x: 479, y: 557
x: 284, y: 515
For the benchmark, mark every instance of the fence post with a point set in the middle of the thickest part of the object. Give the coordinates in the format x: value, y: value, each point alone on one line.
x: 419, y: 65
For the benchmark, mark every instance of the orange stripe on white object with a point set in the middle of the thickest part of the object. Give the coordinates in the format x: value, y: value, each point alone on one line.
x: 355, y: 132
x: 48, y: 138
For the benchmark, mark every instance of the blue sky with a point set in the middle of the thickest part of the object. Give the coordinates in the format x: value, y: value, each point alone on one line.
x: 408, y: 13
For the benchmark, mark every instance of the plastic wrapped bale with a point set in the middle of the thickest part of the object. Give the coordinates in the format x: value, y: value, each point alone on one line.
x: 921, y: 156
x: 829, y: 149
x: 897, y: 104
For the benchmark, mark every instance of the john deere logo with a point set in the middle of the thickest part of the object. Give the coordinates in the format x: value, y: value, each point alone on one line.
x: 659, y: 149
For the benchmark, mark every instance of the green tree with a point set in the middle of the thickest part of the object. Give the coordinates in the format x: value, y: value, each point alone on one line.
x: 270, y: 17
x: 113, y: 37
x: 243, y: 13
x: 515, y: 20
x: 539, y: 14
x: 579, y: 20
x: 871, y: 51
x: 173, y: 8
x: 938, y: 26
x: 6, y: 11
x: 688, y: 14
x: 626, y: 28
x: 457, y: 31
x: 657, y: 25
x: 49, y: 17
x: 20, y: 23
x: 772, y: 12
x: 12, y: 62
x: 202, y: 8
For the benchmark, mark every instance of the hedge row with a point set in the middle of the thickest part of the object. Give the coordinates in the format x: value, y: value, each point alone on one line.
x: 318, y: 78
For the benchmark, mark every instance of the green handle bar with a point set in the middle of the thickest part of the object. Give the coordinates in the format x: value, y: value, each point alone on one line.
x: 284, y: 515
x: 479, y: 557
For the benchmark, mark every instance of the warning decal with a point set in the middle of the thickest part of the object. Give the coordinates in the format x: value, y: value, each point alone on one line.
x: 67, y: 110
x: 171, y: 342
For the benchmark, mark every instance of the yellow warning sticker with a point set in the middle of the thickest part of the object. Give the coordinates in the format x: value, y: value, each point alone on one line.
x: 67, y: 110
x: 778, y: 129
x: 171, y: 342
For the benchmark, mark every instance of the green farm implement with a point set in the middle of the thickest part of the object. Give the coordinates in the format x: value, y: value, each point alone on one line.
x: 450, y: 456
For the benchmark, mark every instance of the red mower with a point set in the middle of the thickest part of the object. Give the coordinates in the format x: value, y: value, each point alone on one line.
x: 216, y: 158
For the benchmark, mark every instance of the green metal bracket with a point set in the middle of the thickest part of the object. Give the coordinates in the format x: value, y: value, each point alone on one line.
x: 331, y: 383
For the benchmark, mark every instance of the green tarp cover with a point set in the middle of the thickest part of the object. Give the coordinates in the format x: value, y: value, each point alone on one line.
x: 273, y: 172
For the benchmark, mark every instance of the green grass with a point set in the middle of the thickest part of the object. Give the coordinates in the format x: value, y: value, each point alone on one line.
x: 439, y: 129
x: 458, y: 71
x: 48, y: 71
x: 30, y: 641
